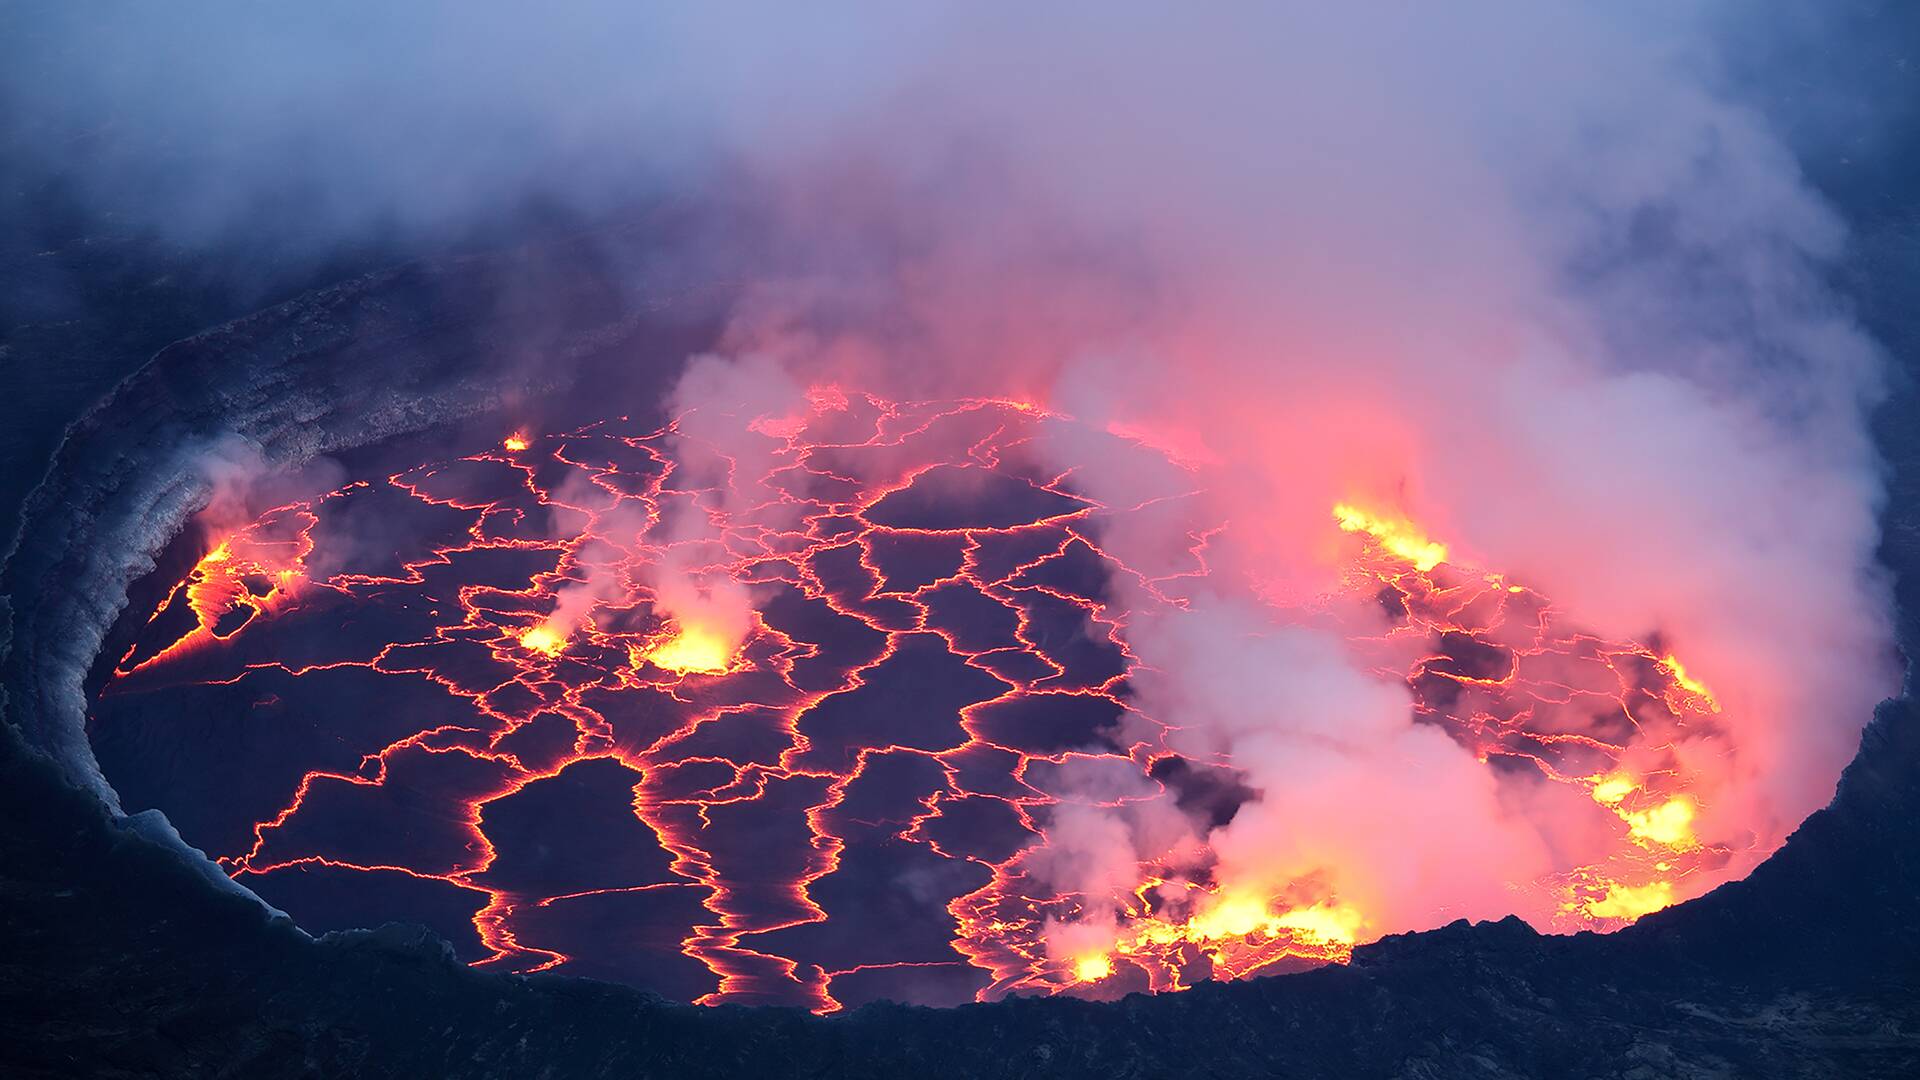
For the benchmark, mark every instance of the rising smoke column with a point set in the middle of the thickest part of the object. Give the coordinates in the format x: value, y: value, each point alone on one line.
x: 730, y: 417
x: 1521, y: 278
x: 725, y: 439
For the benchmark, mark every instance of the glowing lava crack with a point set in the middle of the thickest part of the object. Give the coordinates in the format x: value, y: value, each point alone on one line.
x: 613, y: 703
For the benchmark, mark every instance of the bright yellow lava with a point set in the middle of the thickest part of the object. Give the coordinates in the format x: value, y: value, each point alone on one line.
x: 1247, y: 915
x: 1631, y: 901
x: 1688, y: 683
x: 516, y: 442
x: 1331, y: 924
x: 1239, y: 930
x: 543, y: 639
x: 1612, y: 789
x: 1092, y: 967
x: 692, y: 649
x: 1669, y: 824
x: 1240, y: 916
x: 1398, y: 536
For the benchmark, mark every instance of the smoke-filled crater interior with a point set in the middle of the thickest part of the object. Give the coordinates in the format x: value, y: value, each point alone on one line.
x: 840, y: 701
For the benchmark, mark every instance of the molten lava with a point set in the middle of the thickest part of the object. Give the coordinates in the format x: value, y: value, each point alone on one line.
x: 689, y: 649
x: 1238, y: 934
x: 1693, y: 687
x: 544, y: 640
x: 1396, y: 536
x: 851, y: 799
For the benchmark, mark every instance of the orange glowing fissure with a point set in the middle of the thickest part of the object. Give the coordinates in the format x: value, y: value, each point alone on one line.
x: 813, y: 530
